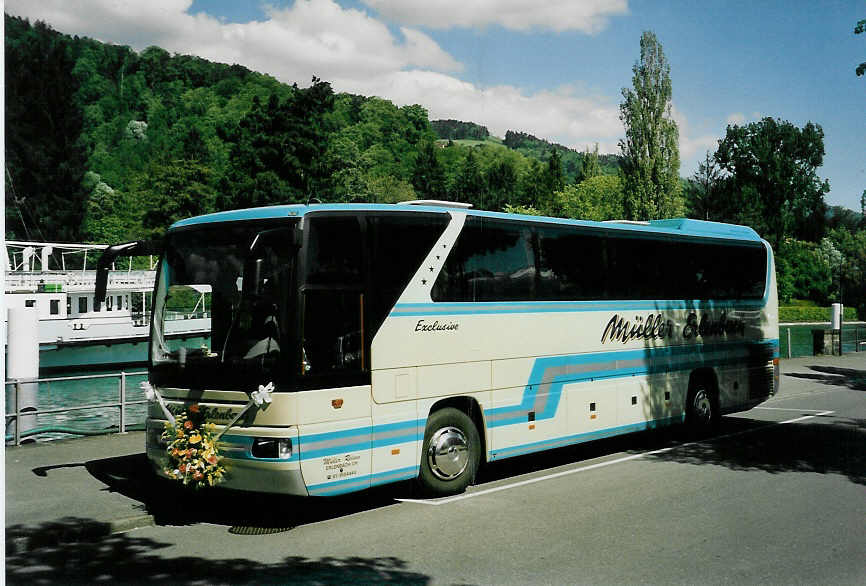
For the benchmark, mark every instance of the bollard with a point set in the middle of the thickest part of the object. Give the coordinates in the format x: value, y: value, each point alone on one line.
x: 22, y: 357
x: 836, y: 323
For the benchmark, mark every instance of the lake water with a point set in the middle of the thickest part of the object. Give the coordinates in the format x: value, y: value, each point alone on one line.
x: 55, y: 394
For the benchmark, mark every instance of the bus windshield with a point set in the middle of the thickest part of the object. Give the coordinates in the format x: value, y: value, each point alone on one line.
x: 240, y: 279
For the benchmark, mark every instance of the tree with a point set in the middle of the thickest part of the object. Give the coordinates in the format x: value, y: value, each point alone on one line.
x: 530, y: 187
x: 553, y: 180
x: 591, y: 168
x: 521, y: 209
x: 279, y: 150
x: 860, y: 28
x: 469, y: 184
x: 428, y: 176
x: 45, y: 160
x: 598, y: 198
x: 176, y: 190
x: 501, y: 178
x: 650, y: 150
x: 802, y: 272
x: 701, y: 189
x: 773, y: 184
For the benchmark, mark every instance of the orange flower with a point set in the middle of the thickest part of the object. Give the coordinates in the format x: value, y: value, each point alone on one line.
x: 198, y: 475
x: 193, y: 408
x: 212, y: 459
x: 188, y: 424
x: 182, y: 468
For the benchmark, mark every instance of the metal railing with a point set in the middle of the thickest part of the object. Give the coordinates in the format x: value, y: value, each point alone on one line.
x: 796, y: 339
x: 17, y: 414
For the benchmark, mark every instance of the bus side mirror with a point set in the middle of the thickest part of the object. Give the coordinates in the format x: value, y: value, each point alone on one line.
x: 110, y: 254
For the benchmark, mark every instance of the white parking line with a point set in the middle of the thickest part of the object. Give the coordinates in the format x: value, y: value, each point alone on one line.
x: 788, y: 409
x: 464, y: 496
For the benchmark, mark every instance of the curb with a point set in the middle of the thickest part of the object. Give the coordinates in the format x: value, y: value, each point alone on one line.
x: 23, y: 539
x: 129, y: 523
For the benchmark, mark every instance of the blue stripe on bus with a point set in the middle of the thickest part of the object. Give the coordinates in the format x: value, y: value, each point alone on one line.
x: 581, y: 437
x: 361, y: 438
x: 655, y: 360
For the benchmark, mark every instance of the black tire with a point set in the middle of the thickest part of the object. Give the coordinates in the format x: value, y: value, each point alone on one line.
x: 450, y: 454
x: 702, y: 407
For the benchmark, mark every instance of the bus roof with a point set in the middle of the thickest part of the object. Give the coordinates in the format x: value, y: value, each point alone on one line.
x: 673, y: 227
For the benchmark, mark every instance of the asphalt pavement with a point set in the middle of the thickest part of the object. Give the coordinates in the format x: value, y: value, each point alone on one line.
x: 775, y: 497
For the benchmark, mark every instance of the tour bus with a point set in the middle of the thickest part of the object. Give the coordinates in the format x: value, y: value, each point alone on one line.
x: 418, y: 341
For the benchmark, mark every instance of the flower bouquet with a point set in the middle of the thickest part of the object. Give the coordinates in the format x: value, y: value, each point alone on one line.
x: 193, y: 456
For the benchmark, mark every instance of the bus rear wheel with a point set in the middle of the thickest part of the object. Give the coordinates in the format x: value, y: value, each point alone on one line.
x: 702, y: 411
x: 450, y: 454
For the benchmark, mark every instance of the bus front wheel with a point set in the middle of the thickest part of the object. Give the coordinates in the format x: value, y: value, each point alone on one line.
x: 702, y: 411
x: 450, y: 454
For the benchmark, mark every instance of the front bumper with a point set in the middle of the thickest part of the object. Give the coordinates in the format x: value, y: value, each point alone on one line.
x: 243, y: 470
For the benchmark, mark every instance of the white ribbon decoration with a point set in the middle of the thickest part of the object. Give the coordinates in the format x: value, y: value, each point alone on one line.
x: 258, y: 398
x: 153, y: 396
x: 263, y: 395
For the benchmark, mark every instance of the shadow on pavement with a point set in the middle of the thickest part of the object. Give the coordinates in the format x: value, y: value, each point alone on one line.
x: 851, y: 378
x: 127, y: 559
x: 816, y: 447
x: 171, y: 504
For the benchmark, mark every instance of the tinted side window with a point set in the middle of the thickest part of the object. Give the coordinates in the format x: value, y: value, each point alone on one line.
x: 572, y: 265
x: 399, y: 243
x: 491, y: 261
x: 729, y: 272
x: 334, y: 251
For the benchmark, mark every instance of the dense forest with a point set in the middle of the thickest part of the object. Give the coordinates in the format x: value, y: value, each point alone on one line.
x: 106, y: 144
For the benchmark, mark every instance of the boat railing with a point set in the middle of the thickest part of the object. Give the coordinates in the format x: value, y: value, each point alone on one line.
x: 34, y: 280
x: 15, y: 412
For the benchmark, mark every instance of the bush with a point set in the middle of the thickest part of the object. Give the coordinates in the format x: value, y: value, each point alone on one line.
x: 807, y: 314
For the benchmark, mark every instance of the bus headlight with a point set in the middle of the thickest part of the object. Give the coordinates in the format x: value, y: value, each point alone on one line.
x: 272, y: 447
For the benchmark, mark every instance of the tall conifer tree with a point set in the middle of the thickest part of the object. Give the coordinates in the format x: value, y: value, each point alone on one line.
x: 650, y: 150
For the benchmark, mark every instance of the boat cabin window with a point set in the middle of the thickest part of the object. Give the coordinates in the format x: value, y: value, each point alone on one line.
x: 55, y: 307
x: 82, y: 305
x: 109, y: 302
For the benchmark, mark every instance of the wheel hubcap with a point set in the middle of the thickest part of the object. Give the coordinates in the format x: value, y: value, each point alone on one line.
x: 448, y: 453
x: 703, y: 406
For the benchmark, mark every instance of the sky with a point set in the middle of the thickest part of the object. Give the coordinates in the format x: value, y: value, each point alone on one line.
x: 552, y: 68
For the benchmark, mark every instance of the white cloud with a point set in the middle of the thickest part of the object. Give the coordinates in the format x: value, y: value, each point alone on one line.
x: 559, y: 115
x: 312, y: 37
x: 588, y: 16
